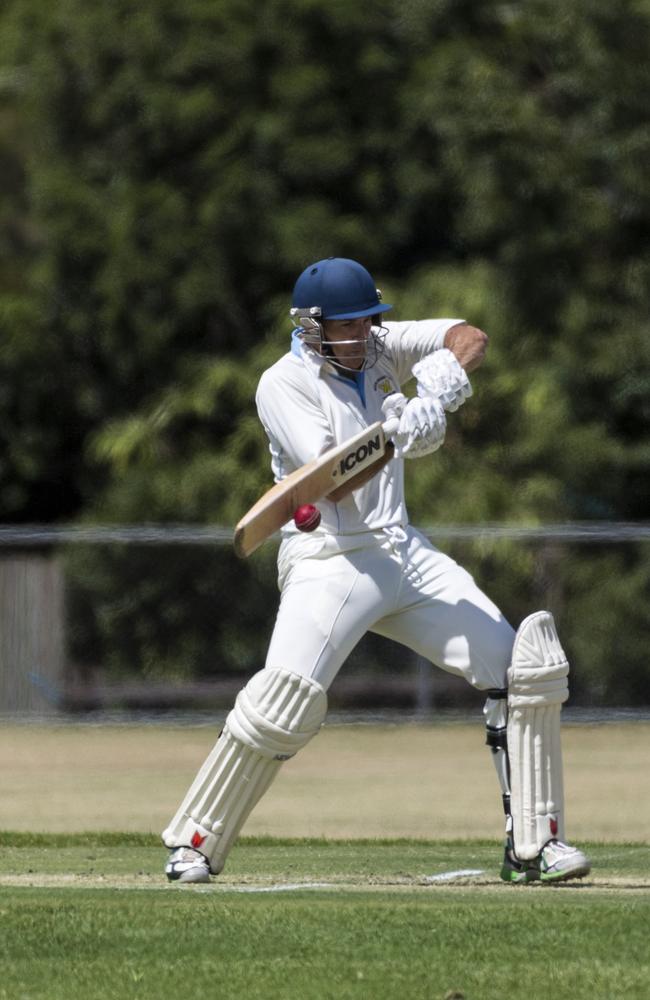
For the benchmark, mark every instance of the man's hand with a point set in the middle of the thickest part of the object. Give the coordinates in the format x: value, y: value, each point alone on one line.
x: 468, y: 343
x: 422, y: 426
x: 440, y: 375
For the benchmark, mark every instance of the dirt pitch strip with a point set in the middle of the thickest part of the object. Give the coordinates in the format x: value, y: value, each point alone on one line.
x: 93, y: 919
x: 221, y: 886
x: 273, y: 865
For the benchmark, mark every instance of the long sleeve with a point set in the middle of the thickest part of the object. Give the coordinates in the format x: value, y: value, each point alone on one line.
x: 410, y: 341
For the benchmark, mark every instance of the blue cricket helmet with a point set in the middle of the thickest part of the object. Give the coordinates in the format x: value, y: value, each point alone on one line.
x: 337, y: 288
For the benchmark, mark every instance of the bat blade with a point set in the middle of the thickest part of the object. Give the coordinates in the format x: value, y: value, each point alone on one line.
x: 309, y: 484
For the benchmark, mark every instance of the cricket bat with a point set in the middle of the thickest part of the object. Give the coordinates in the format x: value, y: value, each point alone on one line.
x: 310, y: 483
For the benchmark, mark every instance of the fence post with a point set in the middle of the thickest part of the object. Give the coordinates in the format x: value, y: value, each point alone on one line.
x: 31, y: 633
x: 424, y: 687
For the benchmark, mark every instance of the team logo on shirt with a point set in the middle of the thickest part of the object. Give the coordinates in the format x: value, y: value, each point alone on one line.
x: 384, y: 385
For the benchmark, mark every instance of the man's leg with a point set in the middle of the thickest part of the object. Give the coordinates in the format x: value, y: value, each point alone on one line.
x: 446, y: 618
x: 537, y: 688
x: 523, y: 732
x: 327, y: 604
x: 449, y: 620
x: 276, y: 714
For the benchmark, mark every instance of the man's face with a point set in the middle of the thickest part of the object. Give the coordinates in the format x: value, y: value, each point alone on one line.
x: 348, y: 340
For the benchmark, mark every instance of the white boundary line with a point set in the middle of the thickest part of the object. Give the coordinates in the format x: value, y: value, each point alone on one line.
x: 450, y: 876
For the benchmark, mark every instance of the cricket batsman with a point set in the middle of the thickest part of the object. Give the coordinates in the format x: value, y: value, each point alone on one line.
x: 365, y: 568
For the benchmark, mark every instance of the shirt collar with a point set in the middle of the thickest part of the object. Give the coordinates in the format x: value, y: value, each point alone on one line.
x: 318, y: 365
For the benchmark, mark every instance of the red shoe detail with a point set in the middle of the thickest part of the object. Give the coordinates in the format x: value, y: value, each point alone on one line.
x: 197, y: 840
x: 554, y: 827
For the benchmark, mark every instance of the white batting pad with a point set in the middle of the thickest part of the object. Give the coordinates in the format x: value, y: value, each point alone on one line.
x: 276, y: 714
x: 537, y: 687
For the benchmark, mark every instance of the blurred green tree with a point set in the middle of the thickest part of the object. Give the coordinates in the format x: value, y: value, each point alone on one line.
x: 169, y: 170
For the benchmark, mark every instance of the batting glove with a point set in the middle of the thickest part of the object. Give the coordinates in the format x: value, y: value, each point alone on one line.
x: 394, y: 405
x: 421, y: 428
x: 441, y: 376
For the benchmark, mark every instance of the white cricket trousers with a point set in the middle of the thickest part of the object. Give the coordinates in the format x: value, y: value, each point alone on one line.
x: 395, y: 583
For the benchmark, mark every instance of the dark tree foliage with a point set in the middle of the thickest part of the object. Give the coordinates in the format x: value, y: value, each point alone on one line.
x: 169, y: 169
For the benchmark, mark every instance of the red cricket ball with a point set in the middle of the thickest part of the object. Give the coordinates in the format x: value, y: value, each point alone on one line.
x: 307, y: 517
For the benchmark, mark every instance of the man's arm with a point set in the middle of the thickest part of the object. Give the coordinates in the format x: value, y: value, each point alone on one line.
x: 468, y: 344
x: 471, y: 345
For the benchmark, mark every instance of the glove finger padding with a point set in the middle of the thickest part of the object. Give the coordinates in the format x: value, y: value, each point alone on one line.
x: 394, y: 405
x: 441, y: 376
x: 421, y: 428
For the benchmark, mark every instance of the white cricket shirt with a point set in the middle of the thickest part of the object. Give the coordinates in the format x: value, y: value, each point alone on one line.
x: 306, y: 406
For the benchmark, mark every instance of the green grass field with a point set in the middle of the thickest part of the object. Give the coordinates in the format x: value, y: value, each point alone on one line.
x: 88, y: 915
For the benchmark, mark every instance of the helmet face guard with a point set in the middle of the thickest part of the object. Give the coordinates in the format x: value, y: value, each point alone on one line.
x: 370, y: 348
x: 339, y: 289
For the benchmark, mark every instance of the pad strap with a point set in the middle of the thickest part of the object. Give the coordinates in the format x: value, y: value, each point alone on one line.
x: 495, y: 712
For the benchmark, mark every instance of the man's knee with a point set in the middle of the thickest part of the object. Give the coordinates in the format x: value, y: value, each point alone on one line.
x: 276, y: 714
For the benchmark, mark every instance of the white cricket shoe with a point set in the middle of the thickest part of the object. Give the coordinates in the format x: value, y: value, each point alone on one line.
x: 187, y: 865
x: 555, y: 862
x: 558, y: 860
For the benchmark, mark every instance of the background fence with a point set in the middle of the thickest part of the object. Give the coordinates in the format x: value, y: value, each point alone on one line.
x: 32, y: 631
x: 166, y: 618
